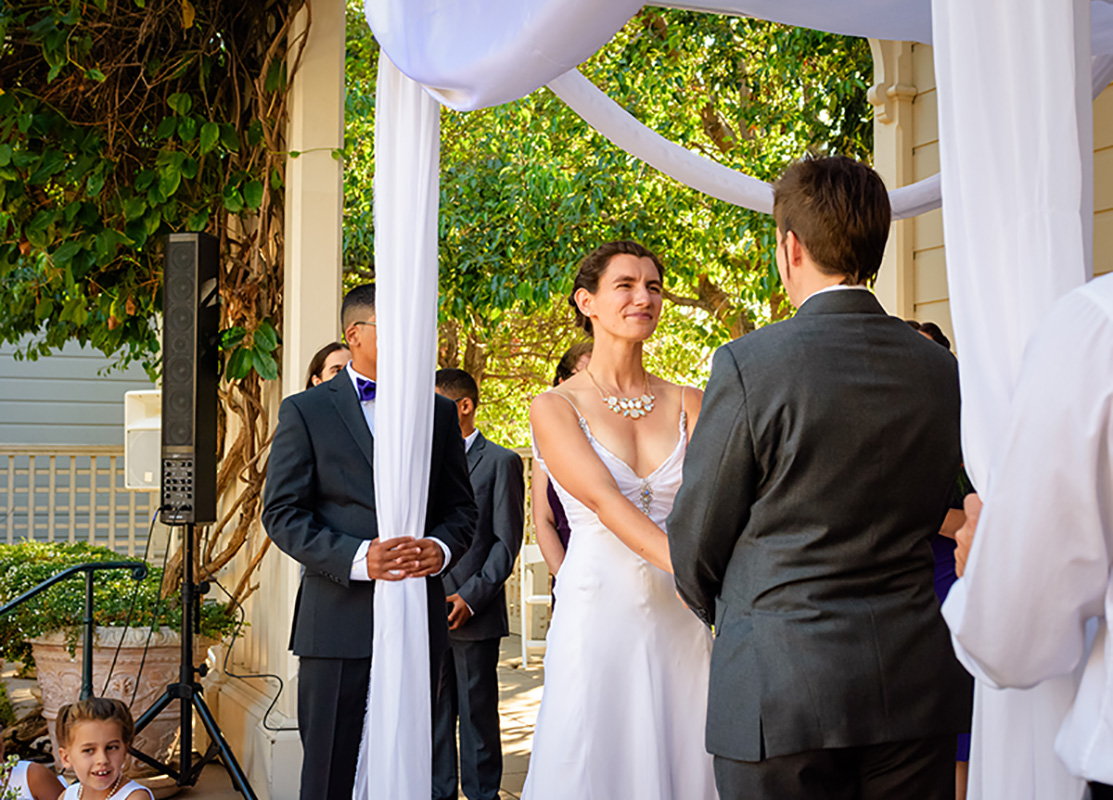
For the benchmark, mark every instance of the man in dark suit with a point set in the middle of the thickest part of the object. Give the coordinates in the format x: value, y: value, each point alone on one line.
x: 469, y: 686
x: 319, y: 507
x: 822, y: 463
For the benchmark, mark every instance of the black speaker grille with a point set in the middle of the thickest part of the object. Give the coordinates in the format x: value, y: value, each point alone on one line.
x: 191, y: 320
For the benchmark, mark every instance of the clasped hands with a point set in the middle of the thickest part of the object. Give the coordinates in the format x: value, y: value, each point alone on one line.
x: 403, y: 557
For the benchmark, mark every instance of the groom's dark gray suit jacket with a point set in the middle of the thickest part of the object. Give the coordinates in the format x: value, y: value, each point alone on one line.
x: 319, y: 505
x: 823, y: 460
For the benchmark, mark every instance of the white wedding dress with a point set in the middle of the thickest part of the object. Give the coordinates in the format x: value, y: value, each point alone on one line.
x: 626, y: 667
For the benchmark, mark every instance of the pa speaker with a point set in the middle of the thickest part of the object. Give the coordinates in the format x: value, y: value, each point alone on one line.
x: 190, y: 359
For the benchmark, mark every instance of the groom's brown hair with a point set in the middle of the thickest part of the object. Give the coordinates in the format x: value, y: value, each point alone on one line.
x: 839, y: 210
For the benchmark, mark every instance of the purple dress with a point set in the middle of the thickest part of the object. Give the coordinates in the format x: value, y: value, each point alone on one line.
x: 944, y: 550
x: 564, y: 530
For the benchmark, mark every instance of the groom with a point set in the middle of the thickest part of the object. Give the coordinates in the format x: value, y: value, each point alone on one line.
x: 319, y: 507
x: 822, y: 463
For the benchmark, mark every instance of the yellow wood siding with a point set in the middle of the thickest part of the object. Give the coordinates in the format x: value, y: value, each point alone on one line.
x: 1103, y: 183
x: 928, y: 271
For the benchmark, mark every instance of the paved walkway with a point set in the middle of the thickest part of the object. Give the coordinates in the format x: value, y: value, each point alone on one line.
x: 519, y: 694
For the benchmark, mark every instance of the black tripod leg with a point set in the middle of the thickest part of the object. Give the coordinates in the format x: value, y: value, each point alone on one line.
x: 155, y: 709
x: 238, y: 778
x: 168, y: 697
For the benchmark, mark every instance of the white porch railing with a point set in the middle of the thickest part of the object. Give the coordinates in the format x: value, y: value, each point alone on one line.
x: 539, y: 615
x: 73, y: 494
x: 77, y: 494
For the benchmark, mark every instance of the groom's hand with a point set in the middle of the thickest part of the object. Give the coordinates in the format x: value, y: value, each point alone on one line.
x: 429, y: 560
x: 388, y: 559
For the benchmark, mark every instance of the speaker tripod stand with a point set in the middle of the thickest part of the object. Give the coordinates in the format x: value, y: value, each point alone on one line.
x: 187, y: 691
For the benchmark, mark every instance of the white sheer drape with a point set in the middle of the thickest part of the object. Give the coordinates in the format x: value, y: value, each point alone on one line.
x: 694, y: 170
x: 396, y: 756
x: 1014, y: 93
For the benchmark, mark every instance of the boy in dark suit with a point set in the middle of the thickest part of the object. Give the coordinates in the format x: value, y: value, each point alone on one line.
x: 319, y: 508
x: 477, y: 610
x: 822, y: 464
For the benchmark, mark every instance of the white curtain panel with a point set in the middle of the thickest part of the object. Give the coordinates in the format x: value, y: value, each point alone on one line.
x: 1015, y: 130
x: 396, y: 756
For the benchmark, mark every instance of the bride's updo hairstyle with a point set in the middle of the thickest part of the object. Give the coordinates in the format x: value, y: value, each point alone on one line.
x: 595, y: 264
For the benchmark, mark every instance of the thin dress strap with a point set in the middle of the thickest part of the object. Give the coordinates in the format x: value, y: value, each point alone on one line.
x: 683, y: 411
x: 579, y: 416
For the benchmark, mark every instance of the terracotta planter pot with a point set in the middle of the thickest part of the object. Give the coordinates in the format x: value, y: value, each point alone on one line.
x: 59, y: 676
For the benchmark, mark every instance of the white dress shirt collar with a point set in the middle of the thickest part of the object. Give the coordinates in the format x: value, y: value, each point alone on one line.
x: 837, y: 287
x: 469, y: 440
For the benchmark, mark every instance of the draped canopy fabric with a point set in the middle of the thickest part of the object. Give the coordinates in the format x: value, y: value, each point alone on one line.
x: 697, y: 171
x: 475, y: 53
x: 1014, y: 79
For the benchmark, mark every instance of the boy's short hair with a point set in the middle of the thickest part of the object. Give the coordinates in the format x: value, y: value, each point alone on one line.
x: 456, y: 383
x: 839, y: 210
x: 359, y: 302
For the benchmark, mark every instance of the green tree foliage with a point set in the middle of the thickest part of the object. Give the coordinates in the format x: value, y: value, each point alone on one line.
x: 122, y: 121
x: 528, y: 188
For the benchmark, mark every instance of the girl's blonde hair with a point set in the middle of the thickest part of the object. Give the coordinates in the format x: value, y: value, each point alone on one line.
x: 94, y: 709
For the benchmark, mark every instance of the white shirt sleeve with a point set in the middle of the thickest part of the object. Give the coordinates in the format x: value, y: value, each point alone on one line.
x: 447, y: 554
x: 359, y: 563
x: 1039, y: 566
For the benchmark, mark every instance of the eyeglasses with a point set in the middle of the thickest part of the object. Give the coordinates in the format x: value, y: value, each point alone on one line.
x: 372, y: 324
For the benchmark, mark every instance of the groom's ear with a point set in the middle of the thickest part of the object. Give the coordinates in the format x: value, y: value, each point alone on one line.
x: 794, y: 249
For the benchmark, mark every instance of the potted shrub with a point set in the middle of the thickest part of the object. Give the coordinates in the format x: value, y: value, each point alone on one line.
x: 133, y: 663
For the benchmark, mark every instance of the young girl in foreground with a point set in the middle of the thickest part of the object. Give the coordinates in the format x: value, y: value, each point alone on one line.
x: 93, y: 740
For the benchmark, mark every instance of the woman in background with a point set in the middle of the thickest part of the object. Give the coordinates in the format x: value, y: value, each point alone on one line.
x: 328, y: 361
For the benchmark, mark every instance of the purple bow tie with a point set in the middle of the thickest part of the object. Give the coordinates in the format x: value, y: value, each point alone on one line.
x: 366, y: 389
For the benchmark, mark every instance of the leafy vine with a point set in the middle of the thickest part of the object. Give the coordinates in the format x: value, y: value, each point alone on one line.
x: 122, y: 121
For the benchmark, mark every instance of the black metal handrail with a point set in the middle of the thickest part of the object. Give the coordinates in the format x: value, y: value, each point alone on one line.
x: 138, y: 573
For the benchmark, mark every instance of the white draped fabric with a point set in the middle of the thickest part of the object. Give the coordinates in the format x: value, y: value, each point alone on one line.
x: 1015, y: 223
x: 476, y: 53
x: 1014, y: 82
x: 694, y: 170
x: 396, y: 757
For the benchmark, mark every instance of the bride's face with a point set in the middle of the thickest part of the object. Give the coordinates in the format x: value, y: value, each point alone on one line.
x: 627, y: 303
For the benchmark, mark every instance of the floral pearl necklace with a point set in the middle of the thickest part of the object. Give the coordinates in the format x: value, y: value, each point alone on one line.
x: 632, y: 407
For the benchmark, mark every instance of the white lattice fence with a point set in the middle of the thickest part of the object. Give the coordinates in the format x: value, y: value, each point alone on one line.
x: 73, y: 494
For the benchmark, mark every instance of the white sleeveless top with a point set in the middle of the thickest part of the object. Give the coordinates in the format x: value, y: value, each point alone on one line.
x: 18, y: 781
x: 121, y: 793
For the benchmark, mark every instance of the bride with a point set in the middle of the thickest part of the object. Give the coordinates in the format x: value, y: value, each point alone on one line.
x: 626, y: 669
